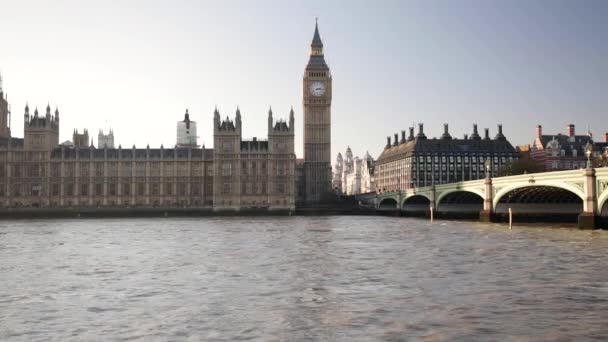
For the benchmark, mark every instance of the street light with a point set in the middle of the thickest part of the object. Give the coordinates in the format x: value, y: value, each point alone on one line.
x: 588, y: 152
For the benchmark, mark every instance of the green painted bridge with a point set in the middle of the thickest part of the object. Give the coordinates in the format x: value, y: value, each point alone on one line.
x: 582, y: 192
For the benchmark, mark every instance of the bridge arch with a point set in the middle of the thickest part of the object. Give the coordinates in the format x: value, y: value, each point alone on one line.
x: 417, y: 199
x: 560, y: 185
x: 388, y: 203
x: 547, y: 201
x: 442, y: 195
x: 602, y: 201
x: 460, y: 201
x: 418, y: 203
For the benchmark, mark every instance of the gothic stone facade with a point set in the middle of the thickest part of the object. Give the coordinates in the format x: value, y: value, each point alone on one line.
x: 317, y: 95
x: 37, y: 172
x: 254, y: 173
x: 237, y: 173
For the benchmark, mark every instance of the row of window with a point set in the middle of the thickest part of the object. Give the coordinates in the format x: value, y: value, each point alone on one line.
x: 249, y: 188
x: 85, y: 189
x: 86, y: 170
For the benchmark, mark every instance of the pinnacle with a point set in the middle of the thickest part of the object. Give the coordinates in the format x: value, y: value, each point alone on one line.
x: 316, y: 39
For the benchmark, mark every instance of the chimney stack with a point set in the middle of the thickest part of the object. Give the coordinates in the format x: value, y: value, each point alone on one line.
x: 539, y: 131
x: 411, y: 136
x: 487, y: 134
x: 500, y: 136
x: 396, y: 139
x: 388, y: 142
x: 475, y: 134
x: 420, y: 134
x: 402, y: 137
x: 570, y: 130
x: 446, y: 133
x: 606, y: 137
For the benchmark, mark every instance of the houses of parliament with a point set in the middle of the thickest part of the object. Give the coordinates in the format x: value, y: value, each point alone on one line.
x: 38, y: 171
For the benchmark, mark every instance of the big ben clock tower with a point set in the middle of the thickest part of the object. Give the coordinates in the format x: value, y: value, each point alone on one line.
x: 317, y: 124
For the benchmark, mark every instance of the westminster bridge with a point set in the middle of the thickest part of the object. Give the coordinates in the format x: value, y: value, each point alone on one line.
x: 581, y: 193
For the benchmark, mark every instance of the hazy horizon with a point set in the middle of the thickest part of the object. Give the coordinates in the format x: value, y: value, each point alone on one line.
x: 136, y: 66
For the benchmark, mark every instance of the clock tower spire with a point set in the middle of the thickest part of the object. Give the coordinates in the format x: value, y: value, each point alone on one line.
x: 317, y: 96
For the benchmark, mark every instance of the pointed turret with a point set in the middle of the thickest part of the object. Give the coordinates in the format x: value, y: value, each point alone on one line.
x: 216, y: 118
x: 316, y: 39
x: 316, y: 61
x: 270, y: 120
x: 291, y: 119
x: 48, y: 111
x: 238, y: 118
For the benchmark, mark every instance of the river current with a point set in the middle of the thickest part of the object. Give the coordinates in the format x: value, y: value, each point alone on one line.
x: 300, y: 279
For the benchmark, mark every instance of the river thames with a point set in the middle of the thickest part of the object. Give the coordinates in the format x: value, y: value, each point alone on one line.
x: 299, y: 279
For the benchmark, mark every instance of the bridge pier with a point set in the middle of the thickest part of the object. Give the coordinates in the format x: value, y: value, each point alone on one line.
x: 487, y: 214
x: 588, y: 219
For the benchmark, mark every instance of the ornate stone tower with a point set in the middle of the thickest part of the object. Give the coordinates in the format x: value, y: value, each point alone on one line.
x: 226, y: 161
x: 282, y: 158
x: 317, y: 90
x: 41, y: 133
x: 5, y: 123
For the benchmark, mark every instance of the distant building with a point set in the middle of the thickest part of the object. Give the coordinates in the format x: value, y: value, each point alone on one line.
x: 337, y: 174
x: 367, y: 174
x: 79, y: 139
x: 105, y: 140
x: 416, y: 161
x: 186, y: 132
x: 564, y: 151
x: 353, y: 176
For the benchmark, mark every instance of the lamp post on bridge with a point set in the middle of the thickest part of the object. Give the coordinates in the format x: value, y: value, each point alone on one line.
x: 588, y: 218
x: 588, y: 152
x: 486, y: 214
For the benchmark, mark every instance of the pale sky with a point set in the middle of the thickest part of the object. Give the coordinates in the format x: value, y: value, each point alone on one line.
x: 136, y: 66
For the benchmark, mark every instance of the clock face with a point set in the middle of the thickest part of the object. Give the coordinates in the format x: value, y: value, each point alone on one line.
x: 317, y: 88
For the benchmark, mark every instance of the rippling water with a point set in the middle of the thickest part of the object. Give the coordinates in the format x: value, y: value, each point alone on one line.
x: 299, y: 278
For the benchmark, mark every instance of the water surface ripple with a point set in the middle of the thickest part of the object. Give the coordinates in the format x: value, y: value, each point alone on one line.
x: 299, y: 279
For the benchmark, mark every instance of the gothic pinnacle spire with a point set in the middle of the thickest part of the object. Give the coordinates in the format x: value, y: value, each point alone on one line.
x: 316, y: 39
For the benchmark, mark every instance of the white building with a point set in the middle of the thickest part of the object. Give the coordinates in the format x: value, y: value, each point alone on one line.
x: 353, y: 176
x: 367, y: 174
x: 337, y: 176
x: 105, y: 140
x: 186, y: 132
